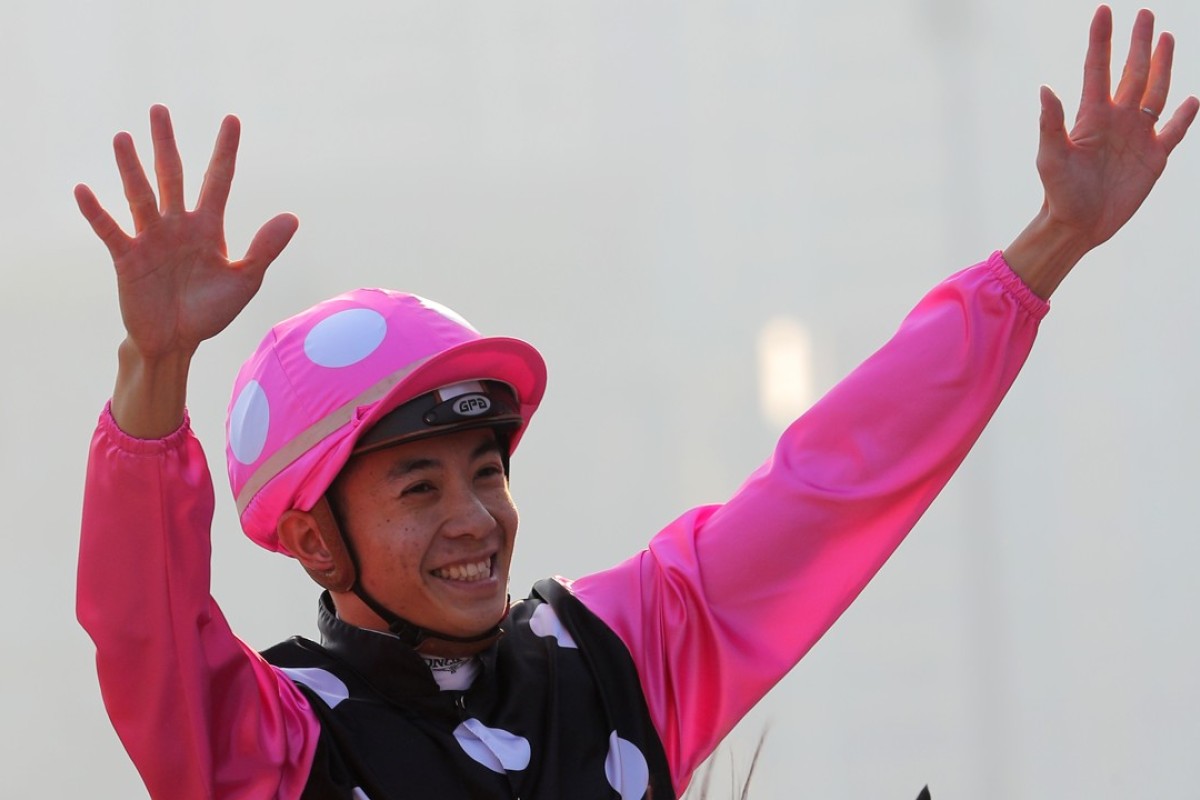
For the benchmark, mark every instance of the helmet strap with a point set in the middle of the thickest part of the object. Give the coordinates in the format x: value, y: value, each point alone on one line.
x: 343, y: 577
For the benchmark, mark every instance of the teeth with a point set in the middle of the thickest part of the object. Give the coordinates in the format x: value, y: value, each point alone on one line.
x: 468, y: 573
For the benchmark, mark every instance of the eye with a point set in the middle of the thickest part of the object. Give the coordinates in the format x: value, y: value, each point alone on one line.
x: 490, y: 471
x: 419, y: 488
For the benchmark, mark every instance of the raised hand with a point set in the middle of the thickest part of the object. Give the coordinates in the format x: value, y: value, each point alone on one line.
x: 175, y: 281
x: 1098, y: 174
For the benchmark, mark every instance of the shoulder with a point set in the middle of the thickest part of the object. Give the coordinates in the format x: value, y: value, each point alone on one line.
x: 312, y: 668
x: 552, y: 614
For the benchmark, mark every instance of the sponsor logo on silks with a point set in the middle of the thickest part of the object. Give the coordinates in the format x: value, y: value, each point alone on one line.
x: 472, y: 405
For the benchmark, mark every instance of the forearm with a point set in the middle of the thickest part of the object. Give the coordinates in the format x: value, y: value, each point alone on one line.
x: 1045, y: 252
x: 150, y: 394
x: 200, y: 715
x: 728, y: 598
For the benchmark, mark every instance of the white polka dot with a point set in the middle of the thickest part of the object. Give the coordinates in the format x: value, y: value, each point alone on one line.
x: 495, y: 748
x: 329, y: 687
x: 545, y: 622
x: 249, y: 421
x: 359, y: 794
x: 345, y: 338
x: 626, y: 768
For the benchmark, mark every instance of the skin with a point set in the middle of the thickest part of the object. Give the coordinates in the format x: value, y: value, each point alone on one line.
x: 1096, y: 175
x: 177, y: 285
x: 413, y: 514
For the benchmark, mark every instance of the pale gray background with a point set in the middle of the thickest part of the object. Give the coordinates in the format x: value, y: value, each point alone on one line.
x: 636, y: 187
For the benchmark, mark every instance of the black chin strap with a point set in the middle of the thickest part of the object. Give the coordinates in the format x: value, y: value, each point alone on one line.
x: 410, y: 633
x: 414, y: 635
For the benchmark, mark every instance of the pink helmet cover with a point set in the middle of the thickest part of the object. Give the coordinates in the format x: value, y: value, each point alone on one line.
x: 320, y: 379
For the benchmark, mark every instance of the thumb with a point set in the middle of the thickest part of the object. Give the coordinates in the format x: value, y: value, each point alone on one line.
x: 1053, y: 141
x: 268, y: 243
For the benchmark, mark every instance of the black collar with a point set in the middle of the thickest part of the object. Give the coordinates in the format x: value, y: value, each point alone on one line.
x: 388, y: 664
x: 392, y: 667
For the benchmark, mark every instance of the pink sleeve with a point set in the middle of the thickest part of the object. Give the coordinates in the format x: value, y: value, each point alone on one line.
x: 728, y: 598
x: 200, y: 713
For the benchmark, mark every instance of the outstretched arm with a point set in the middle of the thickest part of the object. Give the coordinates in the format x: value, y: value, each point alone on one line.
x: 726, y: 599
x: 199, y: 712
x: 1097, y: 175
x: 175, y: 281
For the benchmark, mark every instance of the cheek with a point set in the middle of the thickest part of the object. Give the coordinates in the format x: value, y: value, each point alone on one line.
x: 395, y: 547
x: 410, y: 544
x: 508, y: 518
x: 502, y: 507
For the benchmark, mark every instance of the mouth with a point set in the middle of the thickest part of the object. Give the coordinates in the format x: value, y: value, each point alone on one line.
x: 467, y: 571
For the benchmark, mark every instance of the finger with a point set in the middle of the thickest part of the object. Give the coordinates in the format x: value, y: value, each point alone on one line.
x: 168, y: 167
x: 268, y: 243
x: 1054, y: 141
x: 1157, y: 89
x: 1137, y: 64
x: 1173, y: 132
x: 102, y: 222
x: 133, y: 179
x: 1097, y: 80
x: 214, y: 192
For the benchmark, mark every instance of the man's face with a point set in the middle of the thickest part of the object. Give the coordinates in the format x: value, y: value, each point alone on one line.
x: 432, y: 524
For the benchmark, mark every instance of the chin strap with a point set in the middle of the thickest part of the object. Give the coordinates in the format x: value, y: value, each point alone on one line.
x: 417, y: 637
x: 343, y: 577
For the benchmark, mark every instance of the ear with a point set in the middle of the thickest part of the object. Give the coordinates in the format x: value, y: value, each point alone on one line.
x: 314, y: 538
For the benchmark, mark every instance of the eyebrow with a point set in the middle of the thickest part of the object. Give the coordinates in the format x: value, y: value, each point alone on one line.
x: 410, y: 465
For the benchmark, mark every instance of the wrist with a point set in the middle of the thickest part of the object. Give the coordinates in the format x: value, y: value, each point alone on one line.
x: 151, y: 391
x: 1044, y: 253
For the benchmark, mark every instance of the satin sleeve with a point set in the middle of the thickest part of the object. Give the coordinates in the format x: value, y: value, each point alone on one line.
x: 199, y: 712
x: 728, y: 598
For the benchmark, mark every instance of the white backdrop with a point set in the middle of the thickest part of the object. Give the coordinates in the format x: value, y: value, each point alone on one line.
x: 636, y: 188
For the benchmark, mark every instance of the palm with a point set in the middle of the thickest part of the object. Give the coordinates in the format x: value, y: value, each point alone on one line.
x: 176, y: 284
x: 1111, y: 167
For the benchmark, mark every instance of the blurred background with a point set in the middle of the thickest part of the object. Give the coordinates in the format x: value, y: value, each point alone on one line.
x: 670, y: 200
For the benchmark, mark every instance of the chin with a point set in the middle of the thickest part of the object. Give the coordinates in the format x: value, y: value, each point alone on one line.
x: 485, y: 619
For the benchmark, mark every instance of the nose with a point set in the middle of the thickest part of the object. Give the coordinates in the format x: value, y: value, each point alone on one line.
x: 468, y: 516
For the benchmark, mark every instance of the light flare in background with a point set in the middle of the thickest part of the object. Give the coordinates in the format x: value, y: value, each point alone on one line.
x: 785, y: 374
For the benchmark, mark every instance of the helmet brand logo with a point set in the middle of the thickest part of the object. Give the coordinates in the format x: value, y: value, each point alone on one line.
x: 472, y: 405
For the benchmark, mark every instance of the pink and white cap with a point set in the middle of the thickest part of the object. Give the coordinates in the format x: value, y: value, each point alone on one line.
x: 322, y: 378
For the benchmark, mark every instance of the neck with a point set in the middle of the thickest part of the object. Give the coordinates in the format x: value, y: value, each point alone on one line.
x: 437, y: 647
x: 361, y: 610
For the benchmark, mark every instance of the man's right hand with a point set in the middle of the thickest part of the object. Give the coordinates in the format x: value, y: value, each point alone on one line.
x: 175, y: 281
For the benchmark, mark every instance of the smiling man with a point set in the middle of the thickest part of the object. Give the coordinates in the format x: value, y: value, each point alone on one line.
x: 389, y: 481
x: 445, y: 567
x: 369, y: 438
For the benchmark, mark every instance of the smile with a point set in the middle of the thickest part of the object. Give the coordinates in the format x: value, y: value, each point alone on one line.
x: 467, y: 573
